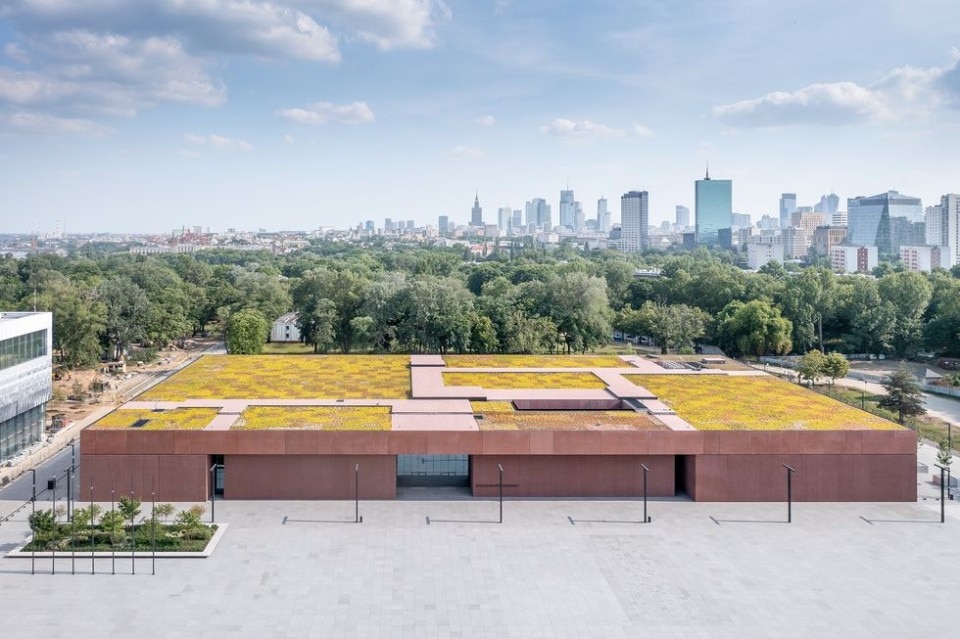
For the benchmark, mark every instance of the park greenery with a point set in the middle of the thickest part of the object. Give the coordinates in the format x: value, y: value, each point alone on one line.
x: 903, y: 394
x: 122, y: 527
x: 403, y: 298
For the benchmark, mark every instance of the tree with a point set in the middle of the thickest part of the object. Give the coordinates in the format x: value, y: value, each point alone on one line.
x: 129, y: 508
x: 673, y: 326
x: 127, y: 311
x: 835, y: 365
x: 903, y: 394
x: 247, y: 332
x: 755, y: 328
x: 811, y: 366
x: 944, y: 453
x: 909, y: 293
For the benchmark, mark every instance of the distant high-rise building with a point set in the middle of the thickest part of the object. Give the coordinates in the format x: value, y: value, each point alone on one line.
x: 795, y: 242
x: 943, y: 227
x: 839, y: 218
x: 868, y: 218
x: 370, y: 225
x: 683, y: 216
x: 603, y: 216
x: 903, y: 232
x: 476, y: 213
x: 443, y: 225
x: 829, y: 204
x: 768, y: 222
x: 567, y: 210
x: 788, y: 204
x: 388, y: 224
x: 713, y: 208
x: 516, y: 222
x: 579, y: 218
x: 634, y: 221
x: 740, y: 220
x: 503, y: 219
x: 538, y: 214
x: 410, y: 225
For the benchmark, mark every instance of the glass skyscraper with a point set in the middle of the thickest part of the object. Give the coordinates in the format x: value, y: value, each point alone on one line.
x: 868, y: 218
x: 714, y: 208
x: 634, y: 218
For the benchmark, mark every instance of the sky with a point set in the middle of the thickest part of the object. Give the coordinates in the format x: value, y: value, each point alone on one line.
x: 148, y: 115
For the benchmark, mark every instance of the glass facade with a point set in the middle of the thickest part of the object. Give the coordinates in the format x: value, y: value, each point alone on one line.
x: 714, y: 202
x: 20, y: 431
x: 23, y: 348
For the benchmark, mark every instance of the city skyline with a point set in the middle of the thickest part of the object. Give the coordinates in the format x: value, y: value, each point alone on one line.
x: 149, y: 115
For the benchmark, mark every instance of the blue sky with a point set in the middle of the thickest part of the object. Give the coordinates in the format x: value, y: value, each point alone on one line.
x: 152, y: 114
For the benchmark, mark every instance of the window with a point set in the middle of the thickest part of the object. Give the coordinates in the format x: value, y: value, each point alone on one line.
x: 23, y: 348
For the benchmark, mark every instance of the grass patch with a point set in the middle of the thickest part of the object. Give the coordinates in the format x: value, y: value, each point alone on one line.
x: 569, y: 420
x: 534, y: 361
x: 145, y: 419
x: 314, y: 418
x: 288, y: 377
x: 287, y: 348
x: 714, y: 402
x: 526, y: 381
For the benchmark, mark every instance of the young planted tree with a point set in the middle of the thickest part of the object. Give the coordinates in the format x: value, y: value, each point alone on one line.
x: 812, y: 366
x: 903, y: 394
x: 835, y: 365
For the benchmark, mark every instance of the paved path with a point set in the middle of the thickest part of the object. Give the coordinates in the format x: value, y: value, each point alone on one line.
x: 553, y: 569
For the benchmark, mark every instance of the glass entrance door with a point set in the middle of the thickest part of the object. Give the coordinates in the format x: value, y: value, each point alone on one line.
x: 433, y: 470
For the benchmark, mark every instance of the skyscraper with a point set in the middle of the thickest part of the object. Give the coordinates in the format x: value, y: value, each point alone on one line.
x: 516, y: 224
x: 579, y: 218
x: 943, y: 226
x: 476, y: 213
x: 443, y: 225
x: 828, y: 204
x: 603, y: 216
x: 566, y: 208
x: 714, y: 207
x: 683, y: 216
x: 788, y: 204
x: 868, y: 218
x: 538, y: 213
x: 503, y: 218
x: 634, y: 221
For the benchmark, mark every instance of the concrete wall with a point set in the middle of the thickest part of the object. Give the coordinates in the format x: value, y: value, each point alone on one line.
x: 718, y: 466
x: 818, y: 478
x: 308, y: 476
x: 169, y: 477
x: 573, y: 476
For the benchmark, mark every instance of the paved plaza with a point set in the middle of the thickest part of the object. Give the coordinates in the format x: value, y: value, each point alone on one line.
x: 552, y: 569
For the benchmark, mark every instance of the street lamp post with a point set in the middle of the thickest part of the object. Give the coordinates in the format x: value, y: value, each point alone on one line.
x: 646, y: 470
x: 501, y: 492
x: 356, y: 486
x: 70, y: 478
x: 790, y: 472
x: 33, y: 518
x: 942, y: 504
x: 863, y: 392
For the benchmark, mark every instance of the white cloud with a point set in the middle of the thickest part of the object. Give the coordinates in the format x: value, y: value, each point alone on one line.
x: 323, y: 112
x: 486, y: 120
x: 466, y: 152
x: 289, y: 139
x: 220, y: 142
x: 588, y: 131
x: 904, y: 93
x: 15, y: 52
x: 46, y: 124
x: 388, y: 24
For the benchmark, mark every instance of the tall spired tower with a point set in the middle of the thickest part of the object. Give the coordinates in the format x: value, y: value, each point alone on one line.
x: 476, y: 213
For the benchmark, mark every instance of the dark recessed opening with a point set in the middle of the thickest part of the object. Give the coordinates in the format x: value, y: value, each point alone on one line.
x: 140, y: 423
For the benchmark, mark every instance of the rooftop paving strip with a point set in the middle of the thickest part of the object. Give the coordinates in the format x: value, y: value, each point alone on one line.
x: 288, y: 377
x: 569, y: 420
x: 720, y: 402
x: 525, y: 380
x: 145, y: 419
x: 314, y: 418
x: 533, y: 361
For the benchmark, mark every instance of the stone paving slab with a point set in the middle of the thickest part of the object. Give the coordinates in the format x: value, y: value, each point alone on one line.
x: 552, y: 569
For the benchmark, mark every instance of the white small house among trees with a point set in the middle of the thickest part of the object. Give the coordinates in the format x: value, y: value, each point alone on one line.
x: 285, y: 329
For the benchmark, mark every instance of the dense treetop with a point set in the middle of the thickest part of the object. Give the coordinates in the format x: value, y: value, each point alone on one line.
x: 400, y: 298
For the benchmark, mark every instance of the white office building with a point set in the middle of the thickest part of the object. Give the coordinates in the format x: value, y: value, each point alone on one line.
x: 26, y: 373
x: 634, y: 221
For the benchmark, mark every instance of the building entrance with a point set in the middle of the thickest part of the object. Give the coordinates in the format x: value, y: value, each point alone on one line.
x: 433, y: 470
